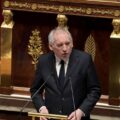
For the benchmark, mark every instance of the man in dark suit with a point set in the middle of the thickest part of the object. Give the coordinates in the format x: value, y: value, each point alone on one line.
x: 79, y: 91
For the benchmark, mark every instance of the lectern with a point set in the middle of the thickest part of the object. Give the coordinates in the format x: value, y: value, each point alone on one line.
x: 52, y: 116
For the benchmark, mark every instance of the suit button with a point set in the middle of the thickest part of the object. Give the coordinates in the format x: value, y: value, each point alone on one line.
x: 60, y: 112
x: 63, y: 99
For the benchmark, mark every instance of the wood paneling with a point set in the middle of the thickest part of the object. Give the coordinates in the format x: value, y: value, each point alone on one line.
x: 80, y: 27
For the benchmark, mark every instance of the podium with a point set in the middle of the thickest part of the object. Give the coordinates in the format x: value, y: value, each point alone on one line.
x: 49, y: 116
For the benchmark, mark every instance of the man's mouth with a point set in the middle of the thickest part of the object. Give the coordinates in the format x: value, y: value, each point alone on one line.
x: 65, y: 54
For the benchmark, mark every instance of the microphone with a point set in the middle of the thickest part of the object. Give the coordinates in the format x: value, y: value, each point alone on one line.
x: 33, y: 96
x: 71, y: 87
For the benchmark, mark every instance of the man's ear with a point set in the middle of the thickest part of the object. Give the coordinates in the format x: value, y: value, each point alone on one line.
x: 50, y: 47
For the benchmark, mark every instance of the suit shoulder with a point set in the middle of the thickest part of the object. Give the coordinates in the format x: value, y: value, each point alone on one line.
x: 45, y: 57
x: 81, y: 53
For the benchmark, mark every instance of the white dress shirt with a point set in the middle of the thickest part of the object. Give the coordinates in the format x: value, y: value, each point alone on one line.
x: 58, y: 65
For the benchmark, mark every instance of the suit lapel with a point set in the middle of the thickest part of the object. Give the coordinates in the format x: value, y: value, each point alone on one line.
x: 52, y: 65
x: 53, y: 70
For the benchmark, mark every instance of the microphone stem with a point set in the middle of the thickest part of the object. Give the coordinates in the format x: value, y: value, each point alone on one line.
x: 73, y: 99
x: 32, y: 96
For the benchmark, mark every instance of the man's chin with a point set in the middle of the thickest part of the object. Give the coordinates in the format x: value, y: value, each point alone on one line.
x: 65, y: 58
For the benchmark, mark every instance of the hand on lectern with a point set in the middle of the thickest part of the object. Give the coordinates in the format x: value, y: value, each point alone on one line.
x: 76, y: 115
x: 43, y: 110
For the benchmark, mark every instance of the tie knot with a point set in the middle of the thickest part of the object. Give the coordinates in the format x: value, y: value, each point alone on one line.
x: 62, y: 62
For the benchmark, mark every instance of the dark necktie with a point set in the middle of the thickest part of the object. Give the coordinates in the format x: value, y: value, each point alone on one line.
x: 62, y: 74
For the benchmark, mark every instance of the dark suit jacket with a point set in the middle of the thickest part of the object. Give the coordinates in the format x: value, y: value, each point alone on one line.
x: 81, y: 72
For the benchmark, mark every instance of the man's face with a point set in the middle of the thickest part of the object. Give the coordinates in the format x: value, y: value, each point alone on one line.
x: 61, y: 46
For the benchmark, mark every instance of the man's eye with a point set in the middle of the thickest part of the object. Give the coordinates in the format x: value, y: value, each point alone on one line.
x: 59, y: 45
x: 67, y: 43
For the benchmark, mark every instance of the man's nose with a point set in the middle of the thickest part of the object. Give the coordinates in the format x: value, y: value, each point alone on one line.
x: 64, y: 47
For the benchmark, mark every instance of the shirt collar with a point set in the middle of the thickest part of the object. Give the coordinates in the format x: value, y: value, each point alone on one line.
x: 58, y: 60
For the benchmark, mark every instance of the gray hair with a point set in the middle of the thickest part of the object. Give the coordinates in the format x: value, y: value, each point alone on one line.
x: 56, y: 31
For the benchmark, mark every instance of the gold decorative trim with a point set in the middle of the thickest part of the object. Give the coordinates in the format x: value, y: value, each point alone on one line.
x: 34, y: 6
x: 35, y: 46
x: 6, y: 3
x: 80, y: 10
x: 8, y: 19
x: 52, y: 116
x: 62, y: 21
x: 90, y: 46
x: 116, y: 29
